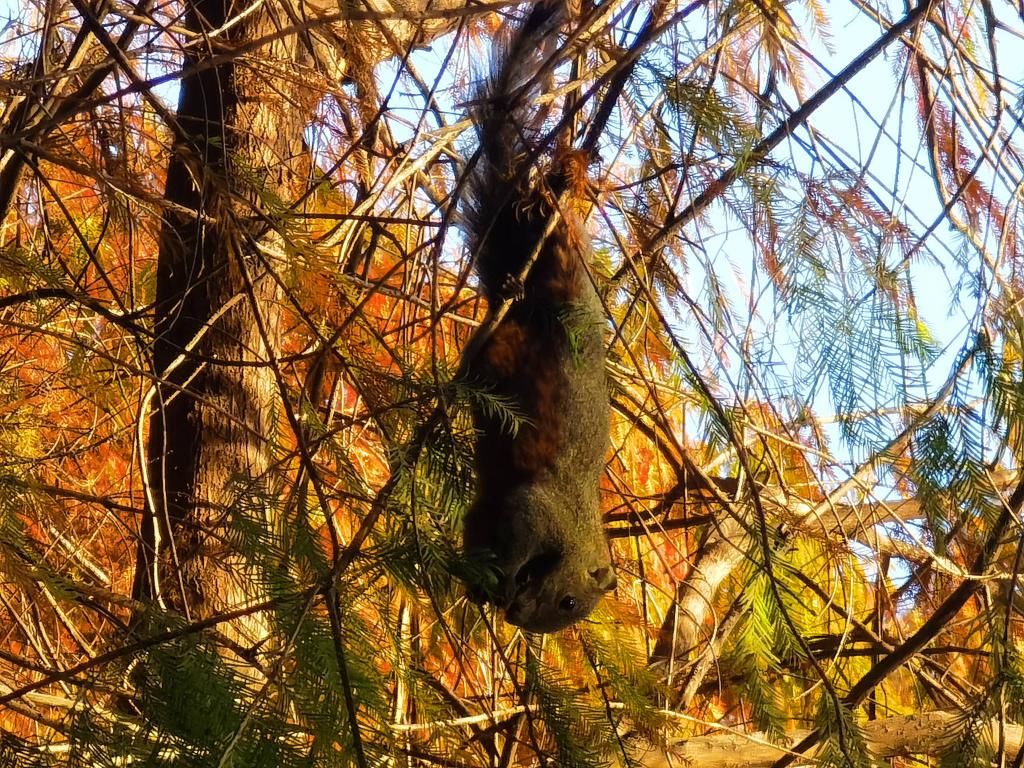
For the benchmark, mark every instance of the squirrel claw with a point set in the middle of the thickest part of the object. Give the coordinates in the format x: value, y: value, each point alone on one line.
x: 513, y: 289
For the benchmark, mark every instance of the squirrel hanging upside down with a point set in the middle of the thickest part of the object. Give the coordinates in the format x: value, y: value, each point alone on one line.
x: 536, y: 515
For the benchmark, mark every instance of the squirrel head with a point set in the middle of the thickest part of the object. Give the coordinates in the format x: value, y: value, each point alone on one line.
x: 553, y: 590
x: 543, y: 543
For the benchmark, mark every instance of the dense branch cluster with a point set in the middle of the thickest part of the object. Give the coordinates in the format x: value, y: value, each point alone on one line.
x: 242, y: 292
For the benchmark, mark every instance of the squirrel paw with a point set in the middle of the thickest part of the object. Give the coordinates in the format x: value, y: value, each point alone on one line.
x: 477, y: 594
x: 513, y: 289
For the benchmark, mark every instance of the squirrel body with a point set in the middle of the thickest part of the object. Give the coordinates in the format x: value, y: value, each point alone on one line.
x: 537, y: 511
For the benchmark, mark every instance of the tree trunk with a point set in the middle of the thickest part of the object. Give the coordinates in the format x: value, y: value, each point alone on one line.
x: 932, y: 733
x: 238, y: 154
x: 238, y: 145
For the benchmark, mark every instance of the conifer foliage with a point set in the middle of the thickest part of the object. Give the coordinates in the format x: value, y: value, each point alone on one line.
x: 236, y: 301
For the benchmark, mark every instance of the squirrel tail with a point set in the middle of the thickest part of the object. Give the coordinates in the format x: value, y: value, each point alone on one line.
x: 503, y: 191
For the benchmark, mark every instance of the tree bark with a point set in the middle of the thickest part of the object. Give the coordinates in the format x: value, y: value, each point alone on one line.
x: 238, y: 145
x: 932, y: 734
x: 237, y: 160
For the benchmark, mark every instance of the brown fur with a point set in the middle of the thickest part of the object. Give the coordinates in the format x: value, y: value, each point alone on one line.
x: 536, y: 515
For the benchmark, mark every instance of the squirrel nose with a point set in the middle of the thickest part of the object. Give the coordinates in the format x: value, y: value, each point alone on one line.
x: 604, y: 577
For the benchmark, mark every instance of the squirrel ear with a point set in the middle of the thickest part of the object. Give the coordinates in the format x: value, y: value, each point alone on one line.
x: 604, y: 577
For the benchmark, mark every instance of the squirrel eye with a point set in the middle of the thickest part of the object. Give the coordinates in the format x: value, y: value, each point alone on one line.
x: 568, y: 603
